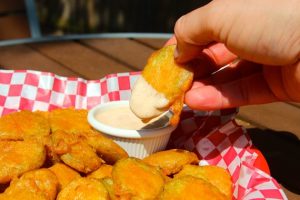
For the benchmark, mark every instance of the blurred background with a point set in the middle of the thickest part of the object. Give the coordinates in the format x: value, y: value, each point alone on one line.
x: 42, y: 18
x: 98, y: 16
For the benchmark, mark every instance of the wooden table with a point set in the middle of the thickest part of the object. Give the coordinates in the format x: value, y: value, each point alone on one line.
x: 274, y: 128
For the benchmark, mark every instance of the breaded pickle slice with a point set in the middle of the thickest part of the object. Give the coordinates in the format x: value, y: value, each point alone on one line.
x: 64, y: 174
x: 169, y: 80
x: 217, y: 176
x: 40, y: 184
x: 102, y: 172
x: 23, y: 124
x: 75, y: 152
x: 134, y: 179
x: 17, y: 157
x: 190, y: 188
x: 84, y: 189
x: 75, y: 122
x: 69, y: 120
x: 171, y: 161
x: 105, y: 147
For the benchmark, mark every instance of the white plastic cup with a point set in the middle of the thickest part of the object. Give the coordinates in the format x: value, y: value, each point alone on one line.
x: 137, y: 143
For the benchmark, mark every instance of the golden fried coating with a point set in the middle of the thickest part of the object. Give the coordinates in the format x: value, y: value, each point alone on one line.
x: 190, y: 188
x: 217, y: 176
x: 82, y: 158
x: 64, y: 174
x: 102, y: 172
x: 44, y: 114
x: 170, y: 79
x: 23, y: 124
x: 17, y: 157
x: 171, y: 161
x: 38, y: 184
x: 75, y: 121
x: 74, y: 151
x: 109, y: 185
x: 84, y: 189
x: 60, y: 142
x: 134, y: 179
x: 69, y: 120
x: 105, y: 147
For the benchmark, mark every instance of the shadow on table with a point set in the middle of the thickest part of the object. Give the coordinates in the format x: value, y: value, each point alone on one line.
x: 282, y: 152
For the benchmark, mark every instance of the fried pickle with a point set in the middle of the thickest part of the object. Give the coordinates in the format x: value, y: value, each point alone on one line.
x: 17, y: 157
x: 74, y: 151
x: 84, y: 189
x: 102, y: 172
x: 69, y: 120
x: 190, y: 188
x: 105, y: 147
x: 82, y: 158
x: 134, y: 179
x: 171, y: 161
x: 163, y: 83
x: 75, y: 122
x: 23, y: 124
x: 64, y: 174
x: 217, y: 176
x: 38, y: 184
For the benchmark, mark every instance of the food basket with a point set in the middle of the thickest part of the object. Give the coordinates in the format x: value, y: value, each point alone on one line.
x: 213, y: 136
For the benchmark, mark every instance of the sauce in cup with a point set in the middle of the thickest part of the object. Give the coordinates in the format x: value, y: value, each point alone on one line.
x: 121, y: 117
x: 116, y: 121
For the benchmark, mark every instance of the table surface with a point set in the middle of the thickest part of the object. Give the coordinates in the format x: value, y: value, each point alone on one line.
x: 274, y: 128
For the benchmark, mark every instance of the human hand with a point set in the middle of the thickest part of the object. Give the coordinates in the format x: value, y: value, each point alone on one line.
x: 264, y: 34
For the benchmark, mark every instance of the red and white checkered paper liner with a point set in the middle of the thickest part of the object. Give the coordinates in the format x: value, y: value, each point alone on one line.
x: 214, y: 136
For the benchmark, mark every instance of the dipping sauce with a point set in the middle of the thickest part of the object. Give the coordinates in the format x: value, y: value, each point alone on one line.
x: 156, y: 102
x: 121, y: 117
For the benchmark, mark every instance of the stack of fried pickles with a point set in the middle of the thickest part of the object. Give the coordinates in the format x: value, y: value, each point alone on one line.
x: 58, y: 155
